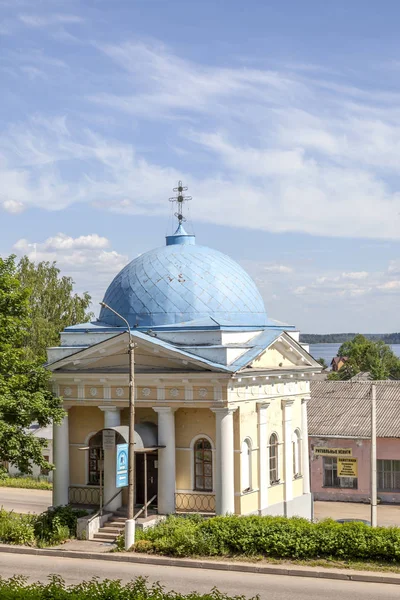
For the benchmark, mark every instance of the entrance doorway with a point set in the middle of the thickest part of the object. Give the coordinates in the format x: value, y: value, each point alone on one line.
x: 152, y: 476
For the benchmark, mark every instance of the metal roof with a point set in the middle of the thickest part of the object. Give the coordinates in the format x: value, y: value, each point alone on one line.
x: 183, y: 282
x: 342, y: 409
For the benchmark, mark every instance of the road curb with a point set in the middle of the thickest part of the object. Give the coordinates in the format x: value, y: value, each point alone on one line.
x: 316, y: 572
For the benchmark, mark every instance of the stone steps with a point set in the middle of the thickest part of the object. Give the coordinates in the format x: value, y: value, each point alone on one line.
x: 111, y: 530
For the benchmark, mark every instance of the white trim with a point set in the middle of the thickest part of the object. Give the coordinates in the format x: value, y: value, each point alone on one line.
x: 297, y: 441
x: 192, y: 475
x: 246, y: 468
x: 278, y: 457
x: 252, y: 491
x: 199, y: 492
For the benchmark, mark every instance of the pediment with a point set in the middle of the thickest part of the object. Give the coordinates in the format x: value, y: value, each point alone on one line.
x: 150, y: 354
x: 283, y: 352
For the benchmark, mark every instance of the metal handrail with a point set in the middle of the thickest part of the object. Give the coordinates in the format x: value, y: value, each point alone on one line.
x: 99, y: 513
x: 145, y: 507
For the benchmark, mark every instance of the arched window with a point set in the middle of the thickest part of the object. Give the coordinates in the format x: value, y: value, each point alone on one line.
x: 95, y: 456
x: 273, y: 459
x: 245, y: 459
x: 296, y: 445
x: 203, y: 479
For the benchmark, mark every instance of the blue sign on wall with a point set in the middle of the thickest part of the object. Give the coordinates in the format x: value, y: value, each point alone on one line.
x: 122, y: 465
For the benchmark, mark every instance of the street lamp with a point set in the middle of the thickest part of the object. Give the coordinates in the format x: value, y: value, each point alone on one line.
x: 130, y: 523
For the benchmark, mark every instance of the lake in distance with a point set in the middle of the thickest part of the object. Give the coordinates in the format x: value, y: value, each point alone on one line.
x: 328, y: 351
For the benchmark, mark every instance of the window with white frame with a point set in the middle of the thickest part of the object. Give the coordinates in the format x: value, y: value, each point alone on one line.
x: 245, y: 456
x: 296, y: 446
x: 273, y: 459
x: 203, y: 468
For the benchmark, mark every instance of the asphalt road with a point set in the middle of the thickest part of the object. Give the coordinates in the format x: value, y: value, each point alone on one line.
x: 183, y: 579
x: 24, y: 501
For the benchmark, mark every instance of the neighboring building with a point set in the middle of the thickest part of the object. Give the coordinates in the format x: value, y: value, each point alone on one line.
x: 47, y: 452
x: 221, y: 391
x: 340, y: 426
x: 338, y: 362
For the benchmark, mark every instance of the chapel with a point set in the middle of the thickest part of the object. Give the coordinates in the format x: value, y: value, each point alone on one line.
x: 220, y: 391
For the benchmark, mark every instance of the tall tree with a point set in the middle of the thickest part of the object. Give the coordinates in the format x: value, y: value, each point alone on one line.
x: 362, y: 354
x: 25, y: 395
x: 53, y: 305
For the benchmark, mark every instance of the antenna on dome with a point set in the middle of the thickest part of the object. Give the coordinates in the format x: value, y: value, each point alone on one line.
x: 180, y: 199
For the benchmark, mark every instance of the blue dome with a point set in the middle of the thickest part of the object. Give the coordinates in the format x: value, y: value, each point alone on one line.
x: 182, y: 282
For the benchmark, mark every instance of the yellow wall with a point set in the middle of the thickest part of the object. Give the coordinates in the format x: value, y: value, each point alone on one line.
x: 249, y: 503
x: 190, y: 422
x: 82, y: 421
x: 275, y: 494
x: 183, y: 470
x: 297, y: 487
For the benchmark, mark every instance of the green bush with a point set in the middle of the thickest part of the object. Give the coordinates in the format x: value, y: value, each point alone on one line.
x: 17, y: 529
x: 51, y: 527
x: 57, y: 525
x: 18, y: 589
x: 277, y: 537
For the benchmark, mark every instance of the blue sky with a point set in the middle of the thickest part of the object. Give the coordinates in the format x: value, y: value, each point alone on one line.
x: 282, y: 117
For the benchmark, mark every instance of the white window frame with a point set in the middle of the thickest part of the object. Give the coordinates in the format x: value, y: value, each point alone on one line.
x: 246, y: 453
x: 201, y: 436
x: 277, y: 445
x: 296, y: 450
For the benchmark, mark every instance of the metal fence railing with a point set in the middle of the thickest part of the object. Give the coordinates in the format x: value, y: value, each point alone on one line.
x: 192, y: 502
x: 89, y: 495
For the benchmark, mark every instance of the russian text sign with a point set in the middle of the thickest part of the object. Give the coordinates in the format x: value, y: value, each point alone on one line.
x: 319, y: 451
x: 108, y: 439
x: 347, y: 467
x: 122, y: 465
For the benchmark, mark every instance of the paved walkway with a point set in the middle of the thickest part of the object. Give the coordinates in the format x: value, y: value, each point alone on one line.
x: 25, y: 501
x: 185, y: 580
x: 388, y: 514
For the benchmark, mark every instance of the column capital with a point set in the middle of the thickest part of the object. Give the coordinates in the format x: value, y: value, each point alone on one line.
x: 263, y: 405
x: 110, y: 408
x: 225, y: 410
x: 164, y: 409
x: 305, y: 400
x: 287, y: 402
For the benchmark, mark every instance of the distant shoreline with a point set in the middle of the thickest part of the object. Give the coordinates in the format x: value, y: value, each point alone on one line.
x: 339, y: 338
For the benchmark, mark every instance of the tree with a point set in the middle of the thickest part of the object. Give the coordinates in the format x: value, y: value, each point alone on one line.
x: 25, y: 395
x: 53, y: 305
x: 365, y: 355
x: 322, y: 362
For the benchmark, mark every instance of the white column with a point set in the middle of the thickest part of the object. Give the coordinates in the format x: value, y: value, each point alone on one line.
x: 305, y: 457
x: 225, y: 465
x: 166, y: 459
x: 263, y: 455
x: 61, y: 462
x: 112, y: 418
x: 288, y: 450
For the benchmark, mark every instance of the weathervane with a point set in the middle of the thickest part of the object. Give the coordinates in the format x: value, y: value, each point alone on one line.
x: 180, y: 199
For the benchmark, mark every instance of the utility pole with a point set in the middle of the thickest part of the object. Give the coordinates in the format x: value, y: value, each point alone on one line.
x: 373, y: 457
x: 130, y: 522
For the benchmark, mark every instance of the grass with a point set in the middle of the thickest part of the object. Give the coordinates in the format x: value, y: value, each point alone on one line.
x: 26, y: 482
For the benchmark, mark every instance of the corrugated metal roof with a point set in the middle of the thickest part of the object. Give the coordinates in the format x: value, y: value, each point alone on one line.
x: 342, y: 408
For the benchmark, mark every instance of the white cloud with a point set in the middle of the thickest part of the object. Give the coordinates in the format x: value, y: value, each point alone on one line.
x: 11, y: 206
x: 390, y: 286
x: 282, y: 152
x: 45, y: 20
x: 355, y: 275
x: 79, y: 258
x: 278, y: 269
